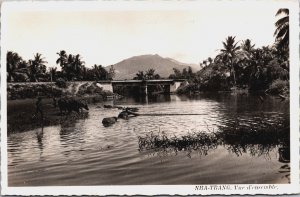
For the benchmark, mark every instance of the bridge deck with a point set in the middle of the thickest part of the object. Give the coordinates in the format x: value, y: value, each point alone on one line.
x: 142, y: 82
x: 146, y: 82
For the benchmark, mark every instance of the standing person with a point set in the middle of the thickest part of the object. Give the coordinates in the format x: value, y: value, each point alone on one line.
x: 39, y: 108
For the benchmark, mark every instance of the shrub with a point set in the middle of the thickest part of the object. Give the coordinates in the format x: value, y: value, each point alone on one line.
x: 278, y: 86
x: 61, y: 83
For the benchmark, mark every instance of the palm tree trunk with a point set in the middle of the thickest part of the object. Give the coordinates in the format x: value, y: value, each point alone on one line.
x: 234, y: 79
x: 233, y: 72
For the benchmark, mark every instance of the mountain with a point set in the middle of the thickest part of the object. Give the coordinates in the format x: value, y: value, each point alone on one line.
x: 127, y: 68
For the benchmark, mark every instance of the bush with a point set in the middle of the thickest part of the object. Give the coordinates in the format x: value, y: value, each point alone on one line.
x: 61, y: 83
x: 278, y: 86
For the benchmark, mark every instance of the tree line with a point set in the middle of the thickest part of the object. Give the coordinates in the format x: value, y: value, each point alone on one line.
x: 241, y: 64
x: 72, y: 69
x: 238, y: 64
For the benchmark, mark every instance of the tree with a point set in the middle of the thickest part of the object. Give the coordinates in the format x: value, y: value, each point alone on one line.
x: 13, y: 61
x: 68, y: 69
x: 72, y: 66
x: 282, y: 29
x: 37, y: 68
x: 190, y: 73
x: 53, y: 73
x: 150, y: 73
x: 244, y: 60
x: 100, y: 72
x: 177, y: 73
x: 111, y: 72
x: 201, y: 65
x: 228, y: 55
x: 247, y: 46
x: 210, y: 60
x: 78, y: 65
x: 62, y: 60
x: 140, y: 75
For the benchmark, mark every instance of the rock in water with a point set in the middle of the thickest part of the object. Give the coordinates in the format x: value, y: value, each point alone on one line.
x: 109, y: 121
x: 123, y: 115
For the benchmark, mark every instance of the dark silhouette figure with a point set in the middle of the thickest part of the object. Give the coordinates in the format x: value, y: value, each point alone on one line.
x: 39, y: 107
x: 69, y: 105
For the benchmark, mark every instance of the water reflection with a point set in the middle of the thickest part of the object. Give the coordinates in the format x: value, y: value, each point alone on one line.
x: 158, y: 98
x: 72, y: 136
x: 39, y: 137
x: 195, y: 149
x: 237, y: 139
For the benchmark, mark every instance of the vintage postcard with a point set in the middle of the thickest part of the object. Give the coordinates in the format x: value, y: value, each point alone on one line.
x: 150, y: 97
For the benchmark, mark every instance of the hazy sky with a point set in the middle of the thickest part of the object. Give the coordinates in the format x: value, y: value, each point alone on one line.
x: 106, y: 36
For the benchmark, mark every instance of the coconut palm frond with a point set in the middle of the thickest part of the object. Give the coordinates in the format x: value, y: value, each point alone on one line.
x: 281, y: 21
x: 282, y: 29
x: 282, y: 10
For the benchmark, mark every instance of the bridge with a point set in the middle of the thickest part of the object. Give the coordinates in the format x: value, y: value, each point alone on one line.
x: 167, y: 85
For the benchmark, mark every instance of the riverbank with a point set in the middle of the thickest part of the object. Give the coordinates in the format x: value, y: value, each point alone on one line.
x: 24, y: 90
x: 21, y: 113
x: 278, y: 89
x: 21, y: 99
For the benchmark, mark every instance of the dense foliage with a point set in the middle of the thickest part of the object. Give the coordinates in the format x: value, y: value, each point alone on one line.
x: 244, y: 66
x: 149, y: 74
x: 72, y: 69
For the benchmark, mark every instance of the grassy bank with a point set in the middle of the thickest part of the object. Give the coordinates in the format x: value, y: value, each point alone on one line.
x: 21, y: 114
x: 21, y: 99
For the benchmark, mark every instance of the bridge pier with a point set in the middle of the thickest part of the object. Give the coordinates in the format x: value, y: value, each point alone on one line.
x: 167, y: 89
x: 144, y: 90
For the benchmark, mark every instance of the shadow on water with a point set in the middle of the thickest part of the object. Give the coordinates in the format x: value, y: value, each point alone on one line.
x: 22, y: 117
x: 157, y: 98
x: 72, y: 135
x: 39, y: 137
x: 236, y: 139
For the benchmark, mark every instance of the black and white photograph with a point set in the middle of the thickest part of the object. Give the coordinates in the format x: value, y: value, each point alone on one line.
x: 193, y: 95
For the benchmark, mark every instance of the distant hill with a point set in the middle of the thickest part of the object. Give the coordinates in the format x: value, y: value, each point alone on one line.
x: 127, y: 68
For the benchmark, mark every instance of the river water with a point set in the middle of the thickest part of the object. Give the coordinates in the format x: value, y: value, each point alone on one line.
x: 84, y: 152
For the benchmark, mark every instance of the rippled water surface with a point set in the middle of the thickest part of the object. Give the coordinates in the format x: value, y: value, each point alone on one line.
x: 84, y: 152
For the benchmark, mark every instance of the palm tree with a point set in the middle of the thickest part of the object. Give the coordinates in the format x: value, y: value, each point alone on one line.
x: 100, y: 72
x: 68, y: 68
x: 140, y: 75
x: 112, y: 72
x: 282, y: 28
x: 243, y: 63
x: 62, y: 60
x: 247, y: 46
x: 53, y: 73
x: 78, y: 65
x: 209, y: 60
x: 12, y: 63
x: 150, y: 73
x: 228, y: 55
x: 37, y: 68
x: 65, y: 61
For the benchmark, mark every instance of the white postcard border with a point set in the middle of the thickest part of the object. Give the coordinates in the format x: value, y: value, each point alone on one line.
x: 291, y: 188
